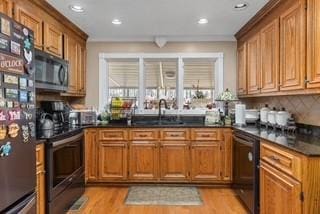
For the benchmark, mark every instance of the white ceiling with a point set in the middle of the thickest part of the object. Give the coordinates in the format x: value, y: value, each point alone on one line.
x: 142, y: 20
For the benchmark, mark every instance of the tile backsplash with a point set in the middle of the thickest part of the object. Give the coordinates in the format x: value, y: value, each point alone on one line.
x: 305, y: 108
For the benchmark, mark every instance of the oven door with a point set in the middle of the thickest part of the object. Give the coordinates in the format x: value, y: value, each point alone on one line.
x: 66, y: 163
x: 244, y: 170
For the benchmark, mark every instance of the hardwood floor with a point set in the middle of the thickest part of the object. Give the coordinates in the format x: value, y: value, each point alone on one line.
x: 110, y: 200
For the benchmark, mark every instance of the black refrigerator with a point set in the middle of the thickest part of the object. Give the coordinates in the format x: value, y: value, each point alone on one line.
x: 17, y: 118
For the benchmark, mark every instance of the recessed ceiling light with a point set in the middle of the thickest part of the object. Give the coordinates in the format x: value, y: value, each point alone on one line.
x: 241, y: 6
x: 116, y: 22
x: 77, y: 8
x: 202, y: 21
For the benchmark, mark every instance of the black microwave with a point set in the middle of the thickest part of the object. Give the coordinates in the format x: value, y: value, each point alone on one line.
x: 51, y: 72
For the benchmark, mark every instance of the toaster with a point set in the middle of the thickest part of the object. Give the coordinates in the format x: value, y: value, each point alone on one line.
x: 82, y: 117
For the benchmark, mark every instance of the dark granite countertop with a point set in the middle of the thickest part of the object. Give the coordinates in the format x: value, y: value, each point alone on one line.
x: 304, y: 144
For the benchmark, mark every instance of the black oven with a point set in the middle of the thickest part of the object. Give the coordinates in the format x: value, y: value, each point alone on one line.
x: 51, y: 72
x: 246, y: 169
x: 65, y: 170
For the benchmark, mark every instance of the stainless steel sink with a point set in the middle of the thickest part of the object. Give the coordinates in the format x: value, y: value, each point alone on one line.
x: 158, y: 123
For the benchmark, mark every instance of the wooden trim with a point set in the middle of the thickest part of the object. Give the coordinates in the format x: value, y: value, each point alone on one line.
x: 258, y: 17
x: 284, y: 93
x: 48, y: 8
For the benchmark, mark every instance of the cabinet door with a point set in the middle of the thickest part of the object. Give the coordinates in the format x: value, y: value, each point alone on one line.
x: 91, y: 155
x: 242, y: 69
x: 6, y: 7
x: 270, y: 58
x: 278, y: 192
x: 71, y: 55
x: 313, y: 52
x: 174, y: 161
x: 40, y: 179
x: 205, y: 161
x: 113, y: 161
x: 254, y: 65
x: 32, y: 21
x: 292, y: 52
x: 81, y: 77
x: 53, y: 40
x: 227, y: 155
x: 143, y: 160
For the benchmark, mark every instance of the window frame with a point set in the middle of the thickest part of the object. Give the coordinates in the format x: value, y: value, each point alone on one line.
x: 218, y: 57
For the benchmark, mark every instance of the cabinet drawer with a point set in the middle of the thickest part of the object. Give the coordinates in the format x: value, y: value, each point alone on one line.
x: 39, y: 155
x: 206, y: 134
x: 144, y: 134
x: 282, y: 159
x: 113, y: 134
x: 175, y: 134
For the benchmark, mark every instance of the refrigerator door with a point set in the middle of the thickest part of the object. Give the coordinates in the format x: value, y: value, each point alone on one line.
x: 26, y: 206
x: 18, y: 173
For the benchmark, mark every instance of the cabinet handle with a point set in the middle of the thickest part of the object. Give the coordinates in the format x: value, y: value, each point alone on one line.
x: 306, y: 81
x: 275, y: 158
x: 205, y: 135
x: 174, y: 135
x: 143, y: 135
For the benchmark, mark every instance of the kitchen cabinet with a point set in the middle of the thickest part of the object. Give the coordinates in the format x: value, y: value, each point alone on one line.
x: 113, y: 160
x: 227, y: 155
x: 206, y: 161
x: 32, y: 19
x: 313, y: 44
x: 253, y: 64
x: 144, y: 160
x: 292, y: 48
x: 270, y: 57
x: 279, y: 192
x: 242, y: 69
x: 53, y: 38
x: 174, y: 160
x: 40, y: 170
x: 6, y: 7
x: 81, y: 77
x: 91, y: 155
x: 70, y: 54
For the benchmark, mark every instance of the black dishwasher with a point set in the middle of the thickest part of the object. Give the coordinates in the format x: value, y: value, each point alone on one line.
x: 246, y: 169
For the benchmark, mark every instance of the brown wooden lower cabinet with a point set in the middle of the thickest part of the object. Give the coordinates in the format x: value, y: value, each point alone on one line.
x: 174, y: 161
x: 279, y: 193
x: 206, y: 161
x: 114, y: 155
x: 40, y: 189
x: 112, y: 161
x: 143, y: 160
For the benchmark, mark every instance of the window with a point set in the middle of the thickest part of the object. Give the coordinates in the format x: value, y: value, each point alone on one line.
x: 198, y: 82
x: 123, y: 78
x: 186, y: 81
x: 160, y: 82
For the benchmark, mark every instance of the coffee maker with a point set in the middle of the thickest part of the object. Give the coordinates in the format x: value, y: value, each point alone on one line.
x: 57, y: 109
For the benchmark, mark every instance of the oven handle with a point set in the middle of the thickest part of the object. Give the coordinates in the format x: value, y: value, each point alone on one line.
x: 68, y: 140
x: 242, y: 141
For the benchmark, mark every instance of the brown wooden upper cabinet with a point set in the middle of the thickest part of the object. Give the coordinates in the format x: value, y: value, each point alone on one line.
x: 81, y: 77
x: 292, y: 48
x: 270, y: 50
x: 242, y: 69
x: 32, y: 20
x: 6, y: 7
x: 254, y: 64
x: 313, y: 39
x: 53, y: 38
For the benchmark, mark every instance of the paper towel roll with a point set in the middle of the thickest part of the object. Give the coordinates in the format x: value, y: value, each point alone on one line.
x: 240, y: 114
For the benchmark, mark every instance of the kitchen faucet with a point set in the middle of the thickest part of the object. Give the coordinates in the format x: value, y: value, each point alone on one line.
x: 165, y: 105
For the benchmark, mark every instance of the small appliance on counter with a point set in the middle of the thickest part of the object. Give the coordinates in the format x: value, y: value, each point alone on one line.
x: 82, y: 117
x: 252, y: 116
x: 213, y: 117
x: 264, y: 114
